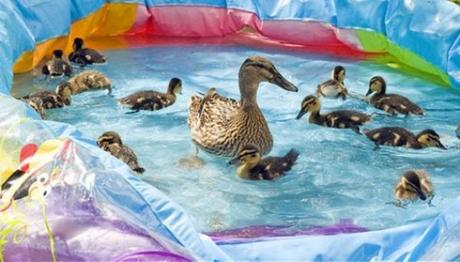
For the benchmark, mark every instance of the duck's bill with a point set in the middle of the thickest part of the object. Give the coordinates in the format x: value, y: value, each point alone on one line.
x: 440, y: 145
x: 421, y: 195
x: 282, y: 82
x: 369, y: 92
x: 300, y: 114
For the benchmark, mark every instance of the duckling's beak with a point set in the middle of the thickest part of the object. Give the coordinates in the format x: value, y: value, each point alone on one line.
x: 420, y: 193
x: 282, y: 82
x: 301, y: 113
x: 440, y: 145
x: 233, y: 161
x: 369, y: 91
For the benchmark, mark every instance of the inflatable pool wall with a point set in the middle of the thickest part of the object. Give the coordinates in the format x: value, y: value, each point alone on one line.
x: 76, y: 202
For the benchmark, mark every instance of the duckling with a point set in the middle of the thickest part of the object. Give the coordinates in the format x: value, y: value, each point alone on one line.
x: 222, y: 126
x: 111, y: 142
x: 85, y: 56
x: 153, y: 100
x: 89, y: 80
x: 413, y: 185
x: 252, y: 167
x: 336, y: 119
x: 57, y: 66
x: 335, y: 86
x: 398, y: 136
x: 390, y: 103
x: 50, y: 99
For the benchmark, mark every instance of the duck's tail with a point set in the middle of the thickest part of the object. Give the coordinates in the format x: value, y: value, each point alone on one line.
x: 139, y: 170
x: 291, y: 156
x: 196, y: 108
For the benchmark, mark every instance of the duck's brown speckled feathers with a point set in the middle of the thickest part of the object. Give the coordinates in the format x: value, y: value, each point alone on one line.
x: 153, y: 100
x: 390, y: 103
x: 49, y: 99
x: 111, y: 142
x: 85, y: 56
x: 57, y: 66
x: 397, y: 136
x: 89, y: 80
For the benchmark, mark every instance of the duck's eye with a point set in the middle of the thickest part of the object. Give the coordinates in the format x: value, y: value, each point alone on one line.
x: 253, y: 155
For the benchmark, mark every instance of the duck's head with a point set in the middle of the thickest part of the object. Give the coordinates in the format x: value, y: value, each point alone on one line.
x: 416, y: 182
x: 37, y: 105
x: 109, y: 138
x: 258, y: 69
x: 309, y: 104
x: 78, y: 43
x: 377, y: 85
x: 338, y: 73
x: 64, y: 90
x: 175, y: 86
x: 57, y: 53
x: 248, y: 156
x: 429, y: 138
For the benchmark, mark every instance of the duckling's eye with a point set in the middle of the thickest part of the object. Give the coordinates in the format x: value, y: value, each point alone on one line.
x: 253, y: 155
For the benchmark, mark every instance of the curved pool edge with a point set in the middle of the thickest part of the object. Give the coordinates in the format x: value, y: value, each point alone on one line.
x: 416, y: 238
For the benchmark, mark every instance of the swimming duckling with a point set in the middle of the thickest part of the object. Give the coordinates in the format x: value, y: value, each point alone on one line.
x: 390, y: 103
x: 337, y: 119
x: 88, y: 80
x: 153, y: 100
x: 50, y: 99
x: 111, y: 142
x: 252, y: 167
x: 335, y: 86
x: 398, y: 136
x: 57, y: 66
x: 85, y: 56
x: 414, y: 184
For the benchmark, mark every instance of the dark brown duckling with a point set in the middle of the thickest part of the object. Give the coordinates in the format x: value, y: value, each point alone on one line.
x: 413, y: 185
x: 57, y: 66
x: 336, y: 119
x: 153, y: 100
x: 85, y: 56
x: 89, y: 80
x: 252, y: 167
x: 111, y: 142
x: 398, y: 136
x: 335, y: 86
x: 50, y: 99
x: 390, y: 103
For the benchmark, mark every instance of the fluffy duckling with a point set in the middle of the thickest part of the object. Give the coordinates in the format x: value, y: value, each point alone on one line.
x: 252, y: 167
x: 336, y: 119
x: 89, y: 80
x: 398, y: 136
x: 413, y: 185
x: 153, y: 100
x: 111, y: 142
x: 57, y: 66
x: 335, y: 86
x: 85, y: 56
x: 50, y: 99
x: 390, y: 103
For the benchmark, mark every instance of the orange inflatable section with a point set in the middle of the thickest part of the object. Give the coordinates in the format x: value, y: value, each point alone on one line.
x: 113, y: 19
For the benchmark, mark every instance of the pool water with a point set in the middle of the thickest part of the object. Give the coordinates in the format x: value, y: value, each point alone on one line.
x: 337, y: 176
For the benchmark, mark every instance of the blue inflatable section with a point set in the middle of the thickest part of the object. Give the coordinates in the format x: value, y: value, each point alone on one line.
x: 428, y: 28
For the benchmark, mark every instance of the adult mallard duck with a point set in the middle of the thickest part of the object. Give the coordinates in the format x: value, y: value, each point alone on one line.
x: 337, y: 119
x: 335, y: 86
x: 57, y: 66
x: 390, y: 103
x: 252, y: 166
x: 398, y: 136
x: 85, y: 56
x: 223, y: 126
x: 153, y: 100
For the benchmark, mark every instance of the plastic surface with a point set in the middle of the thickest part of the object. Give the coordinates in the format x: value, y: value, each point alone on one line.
x: 85, y: 182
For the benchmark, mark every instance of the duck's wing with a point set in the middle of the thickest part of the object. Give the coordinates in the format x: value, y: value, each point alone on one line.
x: 274, y: 167
x: 394, y: 104
x: 346, y: 118
x: 212, y: 108
x: 93, y: 56
x: 146, y: 100
x: 392, y: 136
